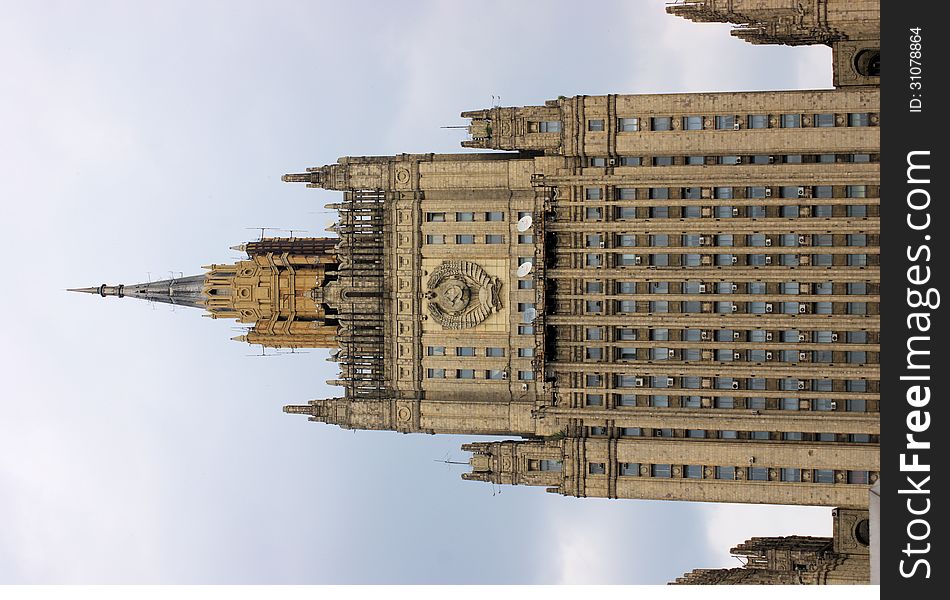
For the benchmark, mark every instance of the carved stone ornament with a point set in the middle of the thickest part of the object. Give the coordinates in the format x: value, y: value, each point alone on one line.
x: 461, y: 294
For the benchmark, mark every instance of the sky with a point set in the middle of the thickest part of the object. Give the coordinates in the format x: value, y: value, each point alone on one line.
x: 143, y: 139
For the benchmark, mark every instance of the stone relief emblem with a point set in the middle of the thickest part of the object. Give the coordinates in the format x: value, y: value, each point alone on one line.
x: 461, y: 294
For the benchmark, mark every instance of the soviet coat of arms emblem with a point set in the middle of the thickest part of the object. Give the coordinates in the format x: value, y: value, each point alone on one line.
x: 461, y: 294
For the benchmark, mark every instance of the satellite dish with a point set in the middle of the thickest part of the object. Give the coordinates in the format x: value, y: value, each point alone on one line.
x: 525, y: 268
x: 524, y: 223
x: 529, y: 315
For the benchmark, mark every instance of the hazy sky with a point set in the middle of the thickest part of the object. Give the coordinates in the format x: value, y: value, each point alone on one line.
x: 137, y: 443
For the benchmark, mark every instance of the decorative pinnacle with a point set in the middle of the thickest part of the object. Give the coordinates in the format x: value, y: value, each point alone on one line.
x: 103, y: 290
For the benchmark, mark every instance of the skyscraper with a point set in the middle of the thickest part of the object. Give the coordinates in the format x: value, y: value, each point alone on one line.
x: 670, y: 296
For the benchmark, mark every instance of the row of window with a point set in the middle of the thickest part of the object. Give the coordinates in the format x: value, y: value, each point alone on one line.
x: 465, y: 217
x: 621, y: 287
x: 498, y: 374
x: 723, y: 260
x: 735, y: 122
x: 672, y: 211
x: 726, y: 335
x: 470, y: 239
x: 751, y: 403
x: 723, y: 240
x: 596, y: 380
x: 850, y: 438
x: 731, y: 473
x: 627, y: 307
x: 728, y: 192
x: 490, y: 352
x: 751, y: 159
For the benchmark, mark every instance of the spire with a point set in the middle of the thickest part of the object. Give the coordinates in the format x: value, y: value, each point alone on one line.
x: 183, y: 291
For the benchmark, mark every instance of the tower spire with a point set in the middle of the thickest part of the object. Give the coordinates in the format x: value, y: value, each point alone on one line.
x: 182, y: 291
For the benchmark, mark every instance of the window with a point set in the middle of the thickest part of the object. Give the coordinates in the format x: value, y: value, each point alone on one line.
x: 824, y: 476
x: 626, y: 306
x: 626, y: 334
x: 691, y: 123
x: 596, y: 468
x: 594, y: 306
x: 696, y: 433
x: 626, y: 212
x: 594, y: 287
x: 825, y: 120
x: 631, y: 432
x: 593, y: 380
x: 593, y: 193
x: 598, y: 161
x: 661, y: 470
x: 626, y: 240
x: 596, y: 431
x: 662, y: 161
x: 594, y: 333
x: 661, y: 123
x: 758, y: 474
x: 791, y: 120
x: 593, y: 240
x: 628, y: 469
x: 465, y: 373
x: 525, y: 284
x: 631, y: 161
x: 494, y: 352
x: 858, y: 119
x: 435, y: 373
x: 594, y: 400
x: 758, y: 121
x: 435, y: 350
x: 525, y: 238
x: 435, y: 239
x: 549, y: 126
x: 627, y: 400
x: 465, y: 351
x: 435, y: 217
x: 791, y: 474
x: 494, y: 239
x: 858, y: 477
x: 628, y: 124
x: 525, y: 329
x: 465, y: 216
x: 594, y: 353
x: 595, y: 125
x: 725, y: 121
x: 725, y: 472
x: 464, y: 239
x: 525, y: 352
x: 525, y: 375
x: 694, y: 471
x: 495, y: 374
x: 592, y: 213
x: 495, y: 216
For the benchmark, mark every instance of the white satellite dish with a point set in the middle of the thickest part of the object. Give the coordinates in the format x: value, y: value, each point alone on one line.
x: 525, y: 268
x: 529, y: 315
x: 524, y: 223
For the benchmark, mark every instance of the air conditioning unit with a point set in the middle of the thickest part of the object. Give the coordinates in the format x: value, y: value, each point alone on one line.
x: 524, y: 387
x: 801, y: 337
x: 735, y: 212
x: 734, y: 287
x: 638, y: 382
x: 802, y: 308
x: 834, y: 337
x: 735, y: 384
x: 801, y: 356
x: 637, y: 260
x: 611, y: 161
x: 768, y: 307
x: 702, y: 288
x: 735, y: 308
x: 768, y: 241
x: 801, y: 239
x: 735, y: 335
x: 768, y: 260
x: 768, y: 190
x: 801, y: 385
x: 504, y: 374
x: 768, y: 336
x: 735, y: 126
x: 738, y: 160
x: 702, y: 240
x: 771, y: 161
x: 735, y: 259
x: 801, y: 192
x: 768, y: 356
x: 704, y: 335
x: 834, y: 405
x: 602, y: 243
x: 669, y: 380
x: 672, y: 354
